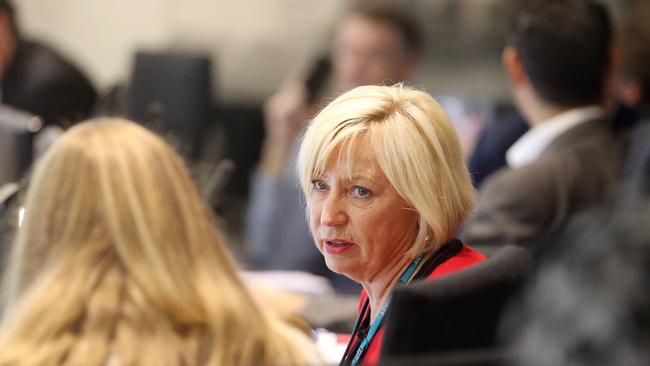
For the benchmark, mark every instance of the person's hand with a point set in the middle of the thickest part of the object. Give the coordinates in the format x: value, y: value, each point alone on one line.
x: 285, y: 114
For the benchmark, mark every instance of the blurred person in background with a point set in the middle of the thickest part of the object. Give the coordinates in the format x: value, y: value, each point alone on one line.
x: 569, y: 159
x: 35, y: 78
x: 588, y: 302
x: 118, y: 262
x: 386, y: 188
x: 374, y: 43
x: 493, y: 142
x: 632, y: 91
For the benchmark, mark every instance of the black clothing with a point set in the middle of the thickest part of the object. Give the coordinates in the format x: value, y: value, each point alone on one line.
x: 40, y: 81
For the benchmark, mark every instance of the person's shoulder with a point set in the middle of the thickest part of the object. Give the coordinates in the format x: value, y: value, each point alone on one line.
x: 38, y: 55
x: 593, y: 150
x: 37, y: 48
x: 590, y: 131
x: 42, y: 62
x: 466, y: 257
x: 517, y: 184
x: 470, y: 255
x: 590, y: 140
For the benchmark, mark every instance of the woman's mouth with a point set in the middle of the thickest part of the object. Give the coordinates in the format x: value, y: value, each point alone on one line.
x: 336, y: 247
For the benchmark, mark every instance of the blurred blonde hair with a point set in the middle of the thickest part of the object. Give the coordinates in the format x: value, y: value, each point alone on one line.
x: 415, y: 145
x: 118, y: 262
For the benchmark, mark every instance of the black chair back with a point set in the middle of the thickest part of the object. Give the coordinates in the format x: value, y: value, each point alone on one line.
x: 172, y: 94
x: 458, y: 312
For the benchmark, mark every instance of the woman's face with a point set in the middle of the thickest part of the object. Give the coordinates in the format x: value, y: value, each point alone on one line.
x: 358, y: 220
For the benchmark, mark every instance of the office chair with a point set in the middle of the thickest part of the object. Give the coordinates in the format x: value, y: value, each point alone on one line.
x: 17, y: 132
x: 455, y: 318
x: 172, y: 94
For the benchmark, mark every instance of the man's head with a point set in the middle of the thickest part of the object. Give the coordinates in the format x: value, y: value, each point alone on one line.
x: 559, y: 49
x: 375, y: 44
x: 8, y: 34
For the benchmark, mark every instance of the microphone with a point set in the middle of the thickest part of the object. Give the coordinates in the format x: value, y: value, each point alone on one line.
x: 215, y: 186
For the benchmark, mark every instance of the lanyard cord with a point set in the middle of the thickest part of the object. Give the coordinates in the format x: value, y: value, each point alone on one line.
x: 445, y: 252
x: 406, y: 276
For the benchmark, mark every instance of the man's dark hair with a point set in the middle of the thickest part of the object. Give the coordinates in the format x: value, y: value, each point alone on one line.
x: 395, y: 16
x: 564, y: 46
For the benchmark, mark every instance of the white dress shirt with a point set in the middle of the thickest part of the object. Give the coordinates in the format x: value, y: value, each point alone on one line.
x: 533, y: 143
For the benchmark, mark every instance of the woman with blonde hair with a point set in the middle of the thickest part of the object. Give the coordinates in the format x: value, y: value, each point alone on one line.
x: 386, y: 188
x: 118, y: 262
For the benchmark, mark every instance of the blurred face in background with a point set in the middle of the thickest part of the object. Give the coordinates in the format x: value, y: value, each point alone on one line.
x: 369, y: 51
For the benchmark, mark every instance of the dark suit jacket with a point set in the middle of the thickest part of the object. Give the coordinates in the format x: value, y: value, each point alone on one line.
x: 581, y: 168
x: 40, y: 81
x: 636, y: 177
x: 489, y: 155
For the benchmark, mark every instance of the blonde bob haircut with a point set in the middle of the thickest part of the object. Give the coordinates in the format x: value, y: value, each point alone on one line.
x: 415, y: 145
x: 118, y: 262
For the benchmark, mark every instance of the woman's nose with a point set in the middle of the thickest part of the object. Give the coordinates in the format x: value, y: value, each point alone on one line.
x: 333, y: 212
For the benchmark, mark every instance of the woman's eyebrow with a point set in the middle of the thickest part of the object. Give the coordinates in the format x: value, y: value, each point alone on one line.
x: 359, y: 176
x: 371, y: 175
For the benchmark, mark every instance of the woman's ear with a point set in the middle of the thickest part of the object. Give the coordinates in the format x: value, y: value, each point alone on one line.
x: 513, y: 66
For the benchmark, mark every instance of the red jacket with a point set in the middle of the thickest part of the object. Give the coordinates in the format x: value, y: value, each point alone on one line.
x: 465, y: 258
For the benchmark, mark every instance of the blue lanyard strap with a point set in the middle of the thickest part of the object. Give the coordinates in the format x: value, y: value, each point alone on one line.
x: 406, y: 276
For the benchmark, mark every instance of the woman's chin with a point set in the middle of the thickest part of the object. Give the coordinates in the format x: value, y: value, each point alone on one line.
x: 343, y: 266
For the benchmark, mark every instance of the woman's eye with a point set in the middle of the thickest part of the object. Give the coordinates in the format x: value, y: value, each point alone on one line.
x: 361, y: 192
x: 319, y: 185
